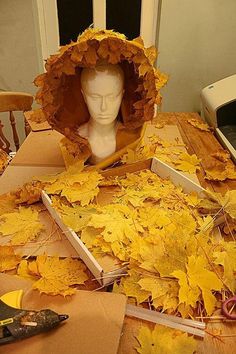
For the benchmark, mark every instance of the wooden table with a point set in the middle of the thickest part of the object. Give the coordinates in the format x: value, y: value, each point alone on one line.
x: 198, y: 142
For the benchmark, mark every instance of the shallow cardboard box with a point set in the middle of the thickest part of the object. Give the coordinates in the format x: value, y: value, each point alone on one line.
x: 94, y: 325
x: 40, y: 148
x: 35, y: 127
x: 105, y: 269
x: 15, y: 176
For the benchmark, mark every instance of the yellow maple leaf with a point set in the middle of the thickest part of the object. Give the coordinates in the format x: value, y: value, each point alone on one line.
x: 8, y: 259
x: 88, y: 236
x: 187, y: 163
x: 57, y: 275
x: 23, y: 225
x: 24, y: 271
x: 75, y: 185
x: 198, y: 278
x: 227, y: 201
x: 117, y: 223
x: 221, y: 172
x: 199, y: 124
x: 226, y: 257
x: 164, y: 340
x: 164, y: 291
x: 130, y: 287
x: 77, y: 217
x: 221, y: 155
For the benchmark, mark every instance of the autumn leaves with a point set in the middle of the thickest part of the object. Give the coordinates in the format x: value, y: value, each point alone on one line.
x: 173, y: 259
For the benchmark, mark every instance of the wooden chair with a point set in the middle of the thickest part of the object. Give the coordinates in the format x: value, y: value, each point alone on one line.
x: 10, y: 102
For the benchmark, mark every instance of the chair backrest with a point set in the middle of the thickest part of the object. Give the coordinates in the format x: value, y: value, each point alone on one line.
x: 10, y: 102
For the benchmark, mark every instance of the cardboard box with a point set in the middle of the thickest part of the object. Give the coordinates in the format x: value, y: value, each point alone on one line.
x: 94, y: 325
x: 105, y: 270
x: 40, y: 148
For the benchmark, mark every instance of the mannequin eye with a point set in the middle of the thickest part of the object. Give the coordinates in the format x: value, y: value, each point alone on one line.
x: 111, y: 97
x: 94, y: 97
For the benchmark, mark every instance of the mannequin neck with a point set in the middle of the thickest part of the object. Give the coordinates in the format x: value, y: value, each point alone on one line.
x: 100, y: 129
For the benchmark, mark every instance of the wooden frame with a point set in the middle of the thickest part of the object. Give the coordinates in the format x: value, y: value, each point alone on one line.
x: 47, y: 31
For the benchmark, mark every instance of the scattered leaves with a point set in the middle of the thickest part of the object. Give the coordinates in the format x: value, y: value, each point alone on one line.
x: 170, y: 152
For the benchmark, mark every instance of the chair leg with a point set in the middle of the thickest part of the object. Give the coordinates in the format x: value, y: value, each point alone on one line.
x: 4, y: 143
x: 15, y: 135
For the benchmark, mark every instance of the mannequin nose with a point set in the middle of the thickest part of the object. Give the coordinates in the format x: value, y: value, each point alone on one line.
x: 103, y: 104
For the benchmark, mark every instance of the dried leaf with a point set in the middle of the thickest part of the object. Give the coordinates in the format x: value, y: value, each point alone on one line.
x: 227, y: 202
x: 75, y: 185
x: 23, y: 225
x: 164, y: 292
x: 8, y: 259
x: 187, y: 163
x: 7, y: 203
x: 57, y: 275
x: 198, y: 279
x: 221, y: 172
x: 129, y: 286
x: 23, y: 271
x: 164, y: 340
x: 221, y: 155
x: 198, y: 124
x: 226, y: 257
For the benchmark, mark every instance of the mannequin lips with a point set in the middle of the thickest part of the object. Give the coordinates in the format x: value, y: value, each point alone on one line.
x: 105, y: 116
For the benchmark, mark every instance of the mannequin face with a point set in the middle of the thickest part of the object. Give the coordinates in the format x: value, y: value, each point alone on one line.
x: 103, y: 92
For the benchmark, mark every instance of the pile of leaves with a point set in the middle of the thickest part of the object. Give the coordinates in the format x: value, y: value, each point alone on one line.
x: 165, y: 237
x: 171, y: 152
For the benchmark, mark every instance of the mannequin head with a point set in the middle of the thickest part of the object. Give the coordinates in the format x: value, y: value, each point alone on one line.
x: 102, y: 89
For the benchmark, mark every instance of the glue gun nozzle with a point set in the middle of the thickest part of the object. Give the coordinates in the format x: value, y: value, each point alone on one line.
x: 63, y: 317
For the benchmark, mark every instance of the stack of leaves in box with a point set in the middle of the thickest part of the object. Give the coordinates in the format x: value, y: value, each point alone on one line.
x: 165, y: 237
x: 175, y: 260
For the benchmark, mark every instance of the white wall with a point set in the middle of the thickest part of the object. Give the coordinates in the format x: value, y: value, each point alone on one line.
x: 197, y: 46
x: 19, y: 63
